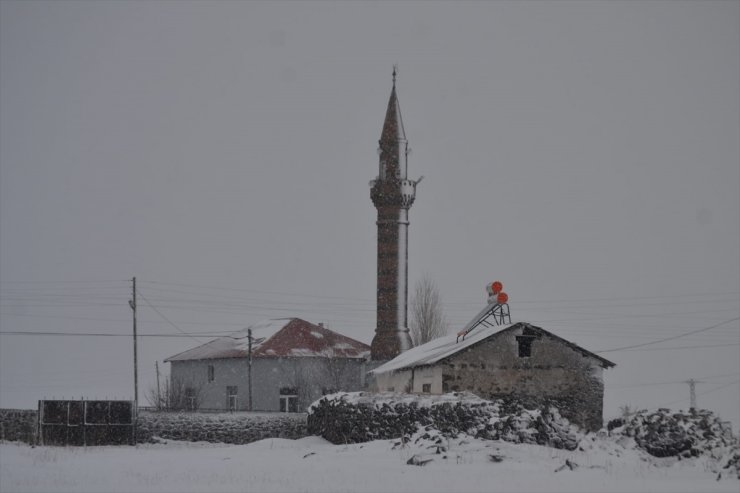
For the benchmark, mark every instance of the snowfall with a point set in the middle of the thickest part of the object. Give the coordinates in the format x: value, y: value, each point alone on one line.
x: 314, y: 464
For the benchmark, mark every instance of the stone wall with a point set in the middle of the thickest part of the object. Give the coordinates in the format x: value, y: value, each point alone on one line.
x: 237, y: 428
x: 554, y: 375
x: 18, y: 425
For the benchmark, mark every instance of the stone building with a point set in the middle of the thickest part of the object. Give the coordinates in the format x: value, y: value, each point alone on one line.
x: 289, y: 362
x: 517, y: 360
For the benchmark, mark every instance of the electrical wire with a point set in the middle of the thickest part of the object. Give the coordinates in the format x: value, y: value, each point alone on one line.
x: 701, y: 393
x: 669, y: 338
x: 165, y: 318
x: 106, y: 334
x: 649, y: 384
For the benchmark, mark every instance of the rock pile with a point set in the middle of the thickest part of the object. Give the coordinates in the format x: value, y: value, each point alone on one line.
x: 663, y: 433
x: 360, y: 417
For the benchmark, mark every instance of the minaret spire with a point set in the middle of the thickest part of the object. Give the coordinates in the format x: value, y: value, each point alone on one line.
x: 392, y: 194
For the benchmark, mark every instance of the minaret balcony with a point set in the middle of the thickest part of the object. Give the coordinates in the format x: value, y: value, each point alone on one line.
x: 393, y: 192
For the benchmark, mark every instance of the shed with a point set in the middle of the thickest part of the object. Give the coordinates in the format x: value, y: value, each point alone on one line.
x: 515, y: 361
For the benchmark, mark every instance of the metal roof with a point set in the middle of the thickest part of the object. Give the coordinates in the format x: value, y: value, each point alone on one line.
x: 443, y: 347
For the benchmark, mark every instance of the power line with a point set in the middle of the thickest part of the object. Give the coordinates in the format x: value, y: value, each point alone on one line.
x: 102, y: 334
x: 685, y: 347
x: 167, y: 319
x: 702, y: 393
x: 623, y: 298
x: 649, y: 384
x: 282, y: 293
x: 470, y: 303
x: 68, y: 281
x: 56, y: 317
x: 669, y: 338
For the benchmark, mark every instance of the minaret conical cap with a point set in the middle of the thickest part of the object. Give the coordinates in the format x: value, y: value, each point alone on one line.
x: 393, y: 125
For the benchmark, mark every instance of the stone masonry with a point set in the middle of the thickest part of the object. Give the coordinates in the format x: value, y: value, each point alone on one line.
x: 236, y: 428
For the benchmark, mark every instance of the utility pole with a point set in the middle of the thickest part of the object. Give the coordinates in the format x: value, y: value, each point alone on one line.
x: 132, y: 304
x: 692, y: 392
x: 159, y: 397
x: 249, y: 365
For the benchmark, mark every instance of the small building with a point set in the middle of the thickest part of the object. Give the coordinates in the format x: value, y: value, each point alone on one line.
x: 293, y: 363
x: 516, y: 360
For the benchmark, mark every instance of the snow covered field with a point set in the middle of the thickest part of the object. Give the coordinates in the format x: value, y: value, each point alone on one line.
x: 313, y: 464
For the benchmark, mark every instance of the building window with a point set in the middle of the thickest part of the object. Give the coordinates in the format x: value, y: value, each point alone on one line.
x: 289, y: 400
x: 231, y: 397
x: 211, y: 373
x: 391, y: 389
x: 525, y: 346
x: 190, y: 398
x: 426, y: 388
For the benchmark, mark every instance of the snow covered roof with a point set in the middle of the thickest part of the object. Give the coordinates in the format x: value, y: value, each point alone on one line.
x: 443, y: 347
x: 282, y: 337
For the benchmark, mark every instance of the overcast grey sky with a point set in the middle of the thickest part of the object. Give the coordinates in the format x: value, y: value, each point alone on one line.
x: 586, y: 154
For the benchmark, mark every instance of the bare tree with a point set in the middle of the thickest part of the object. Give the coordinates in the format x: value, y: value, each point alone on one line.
x: 626, y: 411
x: 177, y: 395
x: 427, y: 319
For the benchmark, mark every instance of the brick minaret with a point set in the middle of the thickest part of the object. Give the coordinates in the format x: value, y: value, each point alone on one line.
x: 392, y: 194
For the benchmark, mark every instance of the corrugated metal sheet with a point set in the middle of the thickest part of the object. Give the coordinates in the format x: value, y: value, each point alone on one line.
x: 443, y: 347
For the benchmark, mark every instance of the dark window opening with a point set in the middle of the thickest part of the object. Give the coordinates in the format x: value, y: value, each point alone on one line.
x: 525, y: 346
x: 211, y: 373
x: 426, y: 388
x: 529, y: 332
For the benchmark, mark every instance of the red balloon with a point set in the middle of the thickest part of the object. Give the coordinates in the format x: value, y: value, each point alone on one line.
x: 502, y: 298
x: 496, y: 287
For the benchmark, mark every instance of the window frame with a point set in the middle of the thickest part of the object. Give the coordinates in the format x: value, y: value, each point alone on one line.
x: 232, y: 392
x: 288, y: 400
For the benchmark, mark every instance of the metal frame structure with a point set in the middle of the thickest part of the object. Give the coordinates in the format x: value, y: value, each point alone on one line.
x: 81, y: 422
x: 493, y: 314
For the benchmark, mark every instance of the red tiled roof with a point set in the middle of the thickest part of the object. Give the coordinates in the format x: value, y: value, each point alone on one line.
x: 283, y: 338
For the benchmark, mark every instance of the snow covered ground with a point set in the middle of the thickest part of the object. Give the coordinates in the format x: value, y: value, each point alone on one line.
x: 313, y: 464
